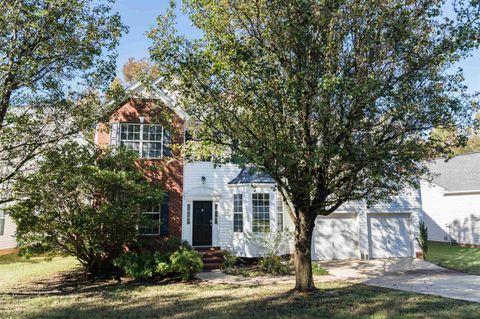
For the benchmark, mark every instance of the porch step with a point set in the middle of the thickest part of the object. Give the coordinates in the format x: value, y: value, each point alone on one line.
x: 212, y: 257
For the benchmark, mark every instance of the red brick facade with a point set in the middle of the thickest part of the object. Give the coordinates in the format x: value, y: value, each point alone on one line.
x: 170, y: 173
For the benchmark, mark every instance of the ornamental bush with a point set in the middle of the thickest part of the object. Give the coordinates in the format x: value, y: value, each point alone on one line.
x: 186, y: 262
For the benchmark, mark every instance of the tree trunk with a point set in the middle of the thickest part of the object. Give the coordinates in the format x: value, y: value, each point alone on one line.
x: 4, y: 103
x: 303, y: 247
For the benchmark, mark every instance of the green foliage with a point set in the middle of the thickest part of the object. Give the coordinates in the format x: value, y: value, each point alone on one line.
x: 55, y: 59
x: 457, y: 143
x: 276, y: 265
x: 333, y: 99
x: 229, y: 259
x: 184, y: 261
x: 423, y: 239
x: 83, y: 201
x: 274, y: 243
x: 187, y: 262
x: 135, y: 265
x: 318, y: 270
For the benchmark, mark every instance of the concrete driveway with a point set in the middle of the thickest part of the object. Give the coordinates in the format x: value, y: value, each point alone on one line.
x: 408, y: 275
x: 405, y: 274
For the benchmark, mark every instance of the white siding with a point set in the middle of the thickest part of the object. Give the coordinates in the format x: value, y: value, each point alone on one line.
x: 460, y: 212
x: 7, y: 240
x: 247, y: 244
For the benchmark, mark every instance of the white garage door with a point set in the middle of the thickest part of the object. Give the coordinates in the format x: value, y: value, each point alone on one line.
x: 389, y: 235
x: 335, y: 237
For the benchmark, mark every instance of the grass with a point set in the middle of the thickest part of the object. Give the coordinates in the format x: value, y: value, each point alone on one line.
x: 15, y: 269
x: 455, y: 257
x: 67, y: 296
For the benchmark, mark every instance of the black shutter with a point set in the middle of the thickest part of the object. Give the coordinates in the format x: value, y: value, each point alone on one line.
x: 164, y: 215
x: 167, y: 141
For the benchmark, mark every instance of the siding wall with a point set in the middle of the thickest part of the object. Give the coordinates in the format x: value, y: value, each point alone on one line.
x: 460, y: 212
x: 247, y: 244
x: 7, y: 240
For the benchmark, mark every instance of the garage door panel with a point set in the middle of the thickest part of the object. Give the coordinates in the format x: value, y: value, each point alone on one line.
x: 335, y: 238
x: 389, y: 236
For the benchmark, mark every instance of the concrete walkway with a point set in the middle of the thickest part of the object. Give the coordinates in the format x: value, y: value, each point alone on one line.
x: 405, y: 274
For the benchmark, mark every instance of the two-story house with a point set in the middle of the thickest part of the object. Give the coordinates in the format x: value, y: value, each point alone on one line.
x: 237, y: 208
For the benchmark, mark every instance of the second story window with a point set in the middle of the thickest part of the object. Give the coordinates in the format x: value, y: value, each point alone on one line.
x: 149, y: 140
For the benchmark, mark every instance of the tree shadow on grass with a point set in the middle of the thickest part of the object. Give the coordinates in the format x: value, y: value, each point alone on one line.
x: 77, y: 282
x: 108, y: 299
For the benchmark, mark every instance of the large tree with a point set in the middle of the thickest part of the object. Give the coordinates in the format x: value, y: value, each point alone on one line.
x: 55, y: 57
x: 334, y: 99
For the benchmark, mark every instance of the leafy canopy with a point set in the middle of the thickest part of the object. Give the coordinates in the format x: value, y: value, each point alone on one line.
x: 334, y: 99
x: 56, y: 56
x: 83, y: 201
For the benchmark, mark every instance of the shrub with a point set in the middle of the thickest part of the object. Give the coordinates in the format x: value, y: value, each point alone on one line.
x: 229, y: 259
x: 135, y: 265
x: 318, y: 270
x: 275, y: 265
x: 186, y: 262
x: 423, y: 239
x: 83, y: 201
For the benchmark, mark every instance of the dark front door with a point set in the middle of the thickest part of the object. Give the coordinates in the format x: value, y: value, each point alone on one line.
x: 202, y: 223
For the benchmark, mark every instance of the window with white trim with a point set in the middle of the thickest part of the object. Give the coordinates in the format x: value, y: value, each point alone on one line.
x: 261, y: 212
x: 2, y: 223
x: 216, y: 214
x: 149, y: 140
x: 279, y: 212
x: 152, y: 225
x: 237, y: 213
x: 157, y: 218
x: 188, y: 213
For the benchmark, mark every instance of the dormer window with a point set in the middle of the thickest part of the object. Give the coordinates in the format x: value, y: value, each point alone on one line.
x: 149, y: 140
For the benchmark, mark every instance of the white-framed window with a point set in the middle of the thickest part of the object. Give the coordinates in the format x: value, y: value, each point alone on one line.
x: 2, y: 223
x: 153, y: 217
x: 189, y: 210
x: 215, y: 213
x: 261, y: 212
x: 279, y: 208
x: 157, y: 218
x: 237, y: 213
x: 149, y: 140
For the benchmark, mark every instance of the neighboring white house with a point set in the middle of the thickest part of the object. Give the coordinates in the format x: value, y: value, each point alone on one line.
x: 239, y: 209
x: 7, y: 234
x: 451, y: 202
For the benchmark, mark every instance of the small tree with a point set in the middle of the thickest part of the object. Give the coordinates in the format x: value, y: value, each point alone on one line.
x: 85, y: 202
x: 423, y: 239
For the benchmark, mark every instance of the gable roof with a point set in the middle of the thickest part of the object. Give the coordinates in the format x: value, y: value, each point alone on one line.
x: 460, y: 173
x: 139, y: 90
x: 250, y: 175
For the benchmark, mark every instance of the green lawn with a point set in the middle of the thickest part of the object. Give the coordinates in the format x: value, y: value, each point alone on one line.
x: 455, y: 257
x: 69, y: 296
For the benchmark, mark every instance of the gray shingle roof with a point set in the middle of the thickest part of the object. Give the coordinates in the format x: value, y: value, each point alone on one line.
x: 460, y: 173
x: 249, y: 175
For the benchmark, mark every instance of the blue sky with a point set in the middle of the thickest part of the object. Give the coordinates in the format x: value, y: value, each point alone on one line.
x: 140, y: 16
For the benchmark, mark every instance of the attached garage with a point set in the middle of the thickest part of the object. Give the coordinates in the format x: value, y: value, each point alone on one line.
x: 336, y: 237
x: 389, y: 235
